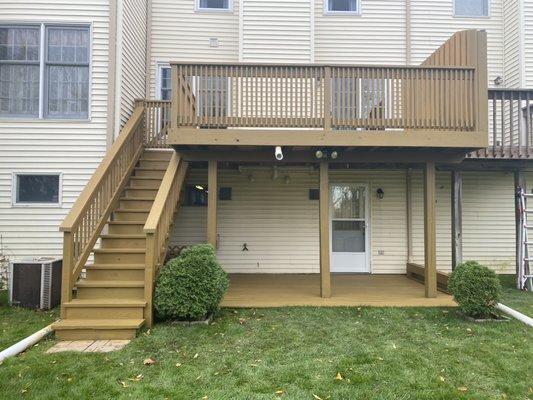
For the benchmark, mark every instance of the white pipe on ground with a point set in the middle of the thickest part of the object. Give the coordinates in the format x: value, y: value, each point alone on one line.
x: 515, y: 314
x: 19, y: 347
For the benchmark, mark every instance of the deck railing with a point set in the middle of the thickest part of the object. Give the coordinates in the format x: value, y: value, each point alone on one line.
x: 89, y: 214
x: 158, y: 225
x: 327, y: 97
x: 510, y: 124
x: 157, y: 117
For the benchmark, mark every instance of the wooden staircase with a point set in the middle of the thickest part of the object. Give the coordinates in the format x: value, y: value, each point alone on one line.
x: 110, y: 300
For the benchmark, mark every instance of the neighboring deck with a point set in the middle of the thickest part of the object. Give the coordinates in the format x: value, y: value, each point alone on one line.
x: 277, y: 290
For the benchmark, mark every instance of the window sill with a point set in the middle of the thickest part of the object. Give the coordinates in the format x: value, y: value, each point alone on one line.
x: 214, y: 10
x: 42, y: 120
x: 36, y: 205
x: 472, y: 16
x: 342, y: 13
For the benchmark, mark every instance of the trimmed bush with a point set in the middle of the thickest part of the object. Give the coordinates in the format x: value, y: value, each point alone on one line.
x: 476, y: 289
x: 190, y: 286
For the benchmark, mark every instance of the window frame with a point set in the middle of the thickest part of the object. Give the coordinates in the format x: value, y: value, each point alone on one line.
x: 455, y: 15
x: 357, y: 12
x: 197, y: 8
x: 43, y: 84
x: 14, y: 190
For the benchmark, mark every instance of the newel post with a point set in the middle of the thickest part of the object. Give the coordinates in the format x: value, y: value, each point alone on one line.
x: 67, y: 268
x: 175, y: 97
x: 149, y: 275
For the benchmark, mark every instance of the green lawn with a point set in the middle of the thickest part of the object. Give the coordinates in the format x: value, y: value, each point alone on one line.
x: 380, y: 353
x: 517, y: 299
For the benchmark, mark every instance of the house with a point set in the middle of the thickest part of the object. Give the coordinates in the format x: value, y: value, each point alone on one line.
x: 326, y: 148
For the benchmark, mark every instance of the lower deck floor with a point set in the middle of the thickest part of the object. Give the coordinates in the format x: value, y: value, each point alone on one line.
x: 278, y: 290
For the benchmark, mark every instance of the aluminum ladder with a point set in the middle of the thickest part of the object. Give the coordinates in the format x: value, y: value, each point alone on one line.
x: 524, y: 279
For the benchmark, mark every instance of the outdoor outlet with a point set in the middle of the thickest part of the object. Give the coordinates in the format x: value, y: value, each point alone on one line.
x: 381, y: 252
x: 213, y: 42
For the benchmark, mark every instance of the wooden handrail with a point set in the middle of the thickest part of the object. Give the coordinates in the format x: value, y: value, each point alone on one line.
x: 85, y: 221
x: 157, y: 122
x: 158, y: 225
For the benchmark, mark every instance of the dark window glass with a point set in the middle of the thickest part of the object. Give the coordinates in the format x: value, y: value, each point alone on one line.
x: 196, y: 195
x: 342, y: 5
x: 224, y: 193
x: 217, y: 4
x: 38, y: 189
x: 314, y: 194
x: 166, y: 84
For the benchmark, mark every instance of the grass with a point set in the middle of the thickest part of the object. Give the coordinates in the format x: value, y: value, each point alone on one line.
x: 16, y: 323
x: 519, y: 300
x: 380, y: 353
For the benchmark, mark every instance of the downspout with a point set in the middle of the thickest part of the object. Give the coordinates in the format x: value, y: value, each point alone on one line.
x: 24, y: 344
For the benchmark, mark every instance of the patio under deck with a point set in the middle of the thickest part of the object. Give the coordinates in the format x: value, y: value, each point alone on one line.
x: 277, y: 290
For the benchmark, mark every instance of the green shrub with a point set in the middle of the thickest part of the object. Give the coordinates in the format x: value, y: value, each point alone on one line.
x: 190, y: 286
x: 476, y: 289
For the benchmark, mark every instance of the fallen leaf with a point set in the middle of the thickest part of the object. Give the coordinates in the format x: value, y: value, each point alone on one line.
x: 124, y: 384
x: 441, y: 378
x: 204, y: 398
x: 279, y: 392
x: 393, y: 346
x: 317, y: 397
x: 462, y: 389
x: 338, y: 377
x: 136, y: 378
x: 149, y: 361
x: 196, y: 355
x: 178, y: 365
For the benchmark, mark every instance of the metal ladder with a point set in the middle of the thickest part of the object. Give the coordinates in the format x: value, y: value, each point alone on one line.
x: 524, y: 279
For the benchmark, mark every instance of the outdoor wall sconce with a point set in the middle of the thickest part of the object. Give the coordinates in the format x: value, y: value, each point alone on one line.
x: 325, y: 154
x: 380, y: 193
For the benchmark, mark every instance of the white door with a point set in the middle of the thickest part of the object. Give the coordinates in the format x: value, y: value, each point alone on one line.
x: 349, y: 244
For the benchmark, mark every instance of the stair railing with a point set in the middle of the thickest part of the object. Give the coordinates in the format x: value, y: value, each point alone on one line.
x: 89, y: 214
x: 158, y: 226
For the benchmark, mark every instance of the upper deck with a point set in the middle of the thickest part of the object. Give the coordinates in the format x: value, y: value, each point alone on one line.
x: 441, y: 103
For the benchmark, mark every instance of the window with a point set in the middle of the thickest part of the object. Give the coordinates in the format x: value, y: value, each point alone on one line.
x: 471, y: 8
x: 224, y: 194
x: 58, y: 54
x: 36, y: 189
x: 166, y: 85
x: 19, y: 71
x: 342, y: 6
x: 213, y: 5
x: 196, y: 195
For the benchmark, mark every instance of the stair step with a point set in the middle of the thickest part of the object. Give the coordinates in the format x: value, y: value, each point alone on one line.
x: 133, y: 192
x: 134, y: 203
x: 109, y: 284
x: 145, y: 182
x: 158, y: 154
x: 115, y: 240
x: 104, y: 309
x: 131, y: 214
x: 115, y: 272
x: 114, y: 266
x: 149, y: 172
x: 118, y: 227
x: 106, y: 303
x: 119, y: 256
x: 94, y: 329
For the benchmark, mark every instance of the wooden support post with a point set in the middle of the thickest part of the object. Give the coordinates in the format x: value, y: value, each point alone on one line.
x: 430, y: 230
x: 409, y: 208
x: 327, y: 99
x: 66, y: 274
x: 212, y: 187
x: 325, y: 278
x: 519, y: 181
x: 457, y: 218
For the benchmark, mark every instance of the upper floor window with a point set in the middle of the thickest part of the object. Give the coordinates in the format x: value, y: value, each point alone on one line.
x: 471, y: 8
x: 224, y: 5
x: 44, y: 71
x: 342, y: 6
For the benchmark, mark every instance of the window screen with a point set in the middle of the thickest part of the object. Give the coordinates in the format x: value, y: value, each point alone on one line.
x: 215, y: 4
x: 67, y: 71
x: 37, y: 188
x: 342, y: 5
x: 472, y: 8
x: 19, y: 71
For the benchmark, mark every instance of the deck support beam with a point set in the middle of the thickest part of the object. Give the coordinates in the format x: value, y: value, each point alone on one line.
x: 409, y: 209
x: 325, y: 276
x: 430, y: 231
x: 212, y: 188
x: 457, y: 218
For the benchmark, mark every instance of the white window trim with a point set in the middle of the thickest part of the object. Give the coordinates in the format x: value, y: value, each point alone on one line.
x: 455, y: 15
x: 197, y: 8
x: 14, y: 188
x: 42, y: 71
x: 158, y: 75
x: 345, y: 13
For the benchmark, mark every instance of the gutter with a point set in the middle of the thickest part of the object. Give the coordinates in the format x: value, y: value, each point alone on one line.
x: 24, y: 344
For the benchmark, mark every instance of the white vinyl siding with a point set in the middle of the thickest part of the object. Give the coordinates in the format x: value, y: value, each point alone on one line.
x: 178, y: 33
x: 276, y: 31
x: 512, y: 50
x: 375, y: 37
x: 279, y: 224
x: 72, y: 147
x: 132, y: 57
x: 528, y: 42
